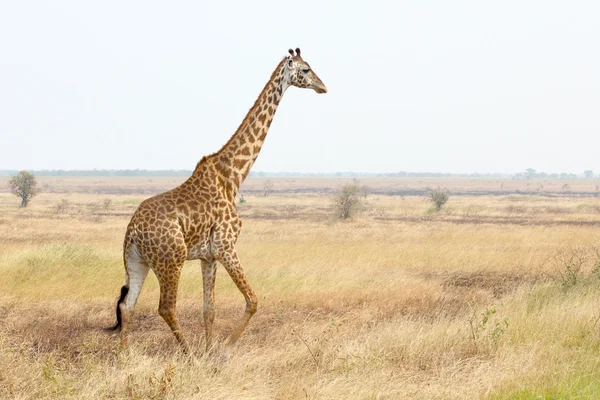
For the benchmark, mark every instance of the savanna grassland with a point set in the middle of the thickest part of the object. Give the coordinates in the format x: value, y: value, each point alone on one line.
x: 496, y: 296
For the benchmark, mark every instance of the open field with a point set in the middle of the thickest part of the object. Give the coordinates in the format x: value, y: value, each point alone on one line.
x: 395, y: 186
x: 497, y: 296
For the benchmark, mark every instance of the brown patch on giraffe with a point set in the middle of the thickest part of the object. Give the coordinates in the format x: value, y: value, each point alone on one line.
x: 229, y: 187
x: 226, y: 172
x: 239, y: 164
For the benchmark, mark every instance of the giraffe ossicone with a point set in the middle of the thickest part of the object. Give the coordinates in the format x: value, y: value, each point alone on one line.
x: 199, y: 220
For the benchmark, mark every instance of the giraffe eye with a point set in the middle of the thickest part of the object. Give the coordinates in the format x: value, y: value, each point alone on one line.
x: 305, y: 70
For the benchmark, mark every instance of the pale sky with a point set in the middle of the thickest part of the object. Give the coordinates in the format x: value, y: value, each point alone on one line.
x: 413, y: 86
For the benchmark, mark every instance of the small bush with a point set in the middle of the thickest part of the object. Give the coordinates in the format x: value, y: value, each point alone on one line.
x: 62, y: 207
x: 438, y: 198
x: 488, y: 328
x: 347, y: 201
x: 576, y: 265
x: 267, y: 187
x: 106, y: 204
x: 93, y: 208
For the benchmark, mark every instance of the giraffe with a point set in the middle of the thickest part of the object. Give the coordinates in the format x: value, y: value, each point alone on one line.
x: 199, y: 220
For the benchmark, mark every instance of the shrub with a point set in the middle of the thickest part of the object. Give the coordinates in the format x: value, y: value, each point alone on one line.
x: 106, y: 205
x: 63, y: 206
x: 487, y: 328
x: 438, y: 198
x: 267, y: 187
x: 575, y: 265
x: 347, y: 201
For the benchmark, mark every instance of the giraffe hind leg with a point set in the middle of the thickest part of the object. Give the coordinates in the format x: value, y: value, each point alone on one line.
x: 167, y: 307
x: 137, y: 271
x: 209, y: 272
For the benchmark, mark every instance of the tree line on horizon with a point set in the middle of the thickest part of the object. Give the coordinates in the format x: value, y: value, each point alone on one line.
x: 529, y: 173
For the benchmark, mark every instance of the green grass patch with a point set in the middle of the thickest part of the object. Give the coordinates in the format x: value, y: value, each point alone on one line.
x: 61, y: 270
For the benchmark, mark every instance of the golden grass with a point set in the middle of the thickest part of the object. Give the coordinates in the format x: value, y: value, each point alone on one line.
x: 397, y: 303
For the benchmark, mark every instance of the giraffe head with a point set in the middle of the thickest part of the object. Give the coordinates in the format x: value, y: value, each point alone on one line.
x: 301, y: 75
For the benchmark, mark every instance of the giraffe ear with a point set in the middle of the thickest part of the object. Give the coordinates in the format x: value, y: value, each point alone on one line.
x: 290, y: 62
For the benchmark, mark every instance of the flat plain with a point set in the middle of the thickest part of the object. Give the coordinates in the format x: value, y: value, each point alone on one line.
x: 495, y: 296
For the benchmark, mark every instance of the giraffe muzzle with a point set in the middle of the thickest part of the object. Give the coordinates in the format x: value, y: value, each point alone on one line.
x: 320, y: 88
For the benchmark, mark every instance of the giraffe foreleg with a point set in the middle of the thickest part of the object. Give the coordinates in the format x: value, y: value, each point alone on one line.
x: 232, y: 264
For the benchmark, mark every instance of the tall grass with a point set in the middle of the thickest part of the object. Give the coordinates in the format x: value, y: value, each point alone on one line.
x: 462, y: 305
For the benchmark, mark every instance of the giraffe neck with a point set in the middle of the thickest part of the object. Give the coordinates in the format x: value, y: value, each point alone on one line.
x: 236, y: 157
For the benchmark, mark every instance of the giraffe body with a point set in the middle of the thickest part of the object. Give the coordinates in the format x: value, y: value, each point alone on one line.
x: 198, y: 220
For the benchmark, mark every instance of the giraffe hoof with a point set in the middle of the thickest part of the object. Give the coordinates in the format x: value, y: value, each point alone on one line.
x: 185, y: 350
x: 225, y: 356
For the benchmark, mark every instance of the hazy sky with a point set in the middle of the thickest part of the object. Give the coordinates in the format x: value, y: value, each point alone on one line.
x: 413, y: 86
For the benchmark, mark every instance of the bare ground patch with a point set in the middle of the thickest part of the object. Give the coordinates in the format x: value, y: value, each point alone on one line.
x: 498, y: 284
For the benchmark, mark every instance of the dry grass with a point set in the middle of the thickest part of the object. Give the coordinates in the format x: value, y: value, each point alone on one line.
x: 397, y: 303
x: 136, y: 185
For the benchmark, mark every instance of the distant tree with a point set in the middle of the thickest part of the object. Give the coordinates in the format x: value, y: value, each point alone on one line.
x: 347, y: 201
x: 364, y: 191
x: 530, y: 173
x: 438, y: 197
x: 23, y: 185
x: 589, y: 174
x: 267, y: 187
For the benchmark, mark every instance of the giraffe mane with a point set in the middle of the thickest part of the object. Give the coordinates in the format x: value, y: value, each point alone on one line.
x: 256, y: 102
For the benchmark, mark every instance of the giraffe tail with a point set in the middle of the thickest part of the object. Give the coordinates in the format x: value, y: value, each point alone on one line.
x: 117, y: 326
